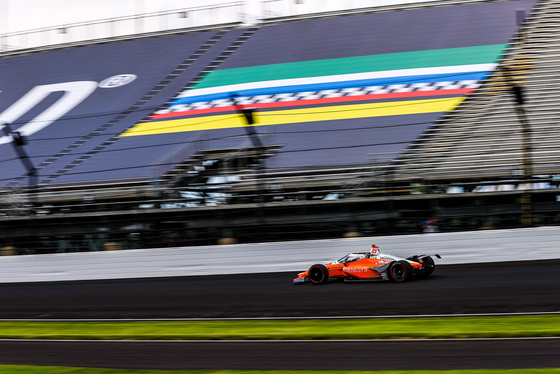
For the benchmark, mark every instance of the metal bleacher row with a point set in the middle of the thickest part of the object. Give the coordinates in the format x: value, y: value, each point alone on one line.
x: 84, y: 152
x: 482, y: 138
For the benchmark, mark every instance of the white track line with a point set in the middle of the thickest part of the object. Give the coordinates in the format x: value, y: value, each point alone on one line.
x: 403, y: 316
x: 281, y: 340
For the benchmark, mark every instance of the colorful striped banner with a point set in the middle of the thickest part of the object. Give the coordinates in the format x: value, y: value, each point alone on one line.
x: 335, y: 87
x: 307, y: 115
x: 438, y: 58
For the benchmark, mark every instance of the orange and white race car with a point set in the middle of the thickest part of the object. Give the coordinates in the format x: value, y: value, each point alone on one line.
x: 365, y: 266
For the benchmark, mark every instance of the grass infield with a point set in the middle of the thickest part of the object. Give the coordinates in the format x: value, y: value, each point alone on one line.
x: 388, y: 328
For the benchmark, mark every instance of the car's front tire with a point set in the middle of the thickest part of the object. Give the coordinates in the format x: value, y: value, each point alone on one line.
x: 318, y: 274
x: 400, y: 271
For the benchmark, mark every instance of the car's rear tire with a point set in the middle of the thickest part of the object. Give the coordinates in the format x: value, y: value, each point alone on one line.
x: 429, y: 266
x: 400, y: 271
x: 318, y: 274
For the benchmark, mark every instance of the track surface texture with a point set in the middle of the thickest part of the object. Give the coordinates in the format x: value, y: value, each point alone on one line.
x: 314, y: 355
x: 482, y: 288
x: 489, y: 288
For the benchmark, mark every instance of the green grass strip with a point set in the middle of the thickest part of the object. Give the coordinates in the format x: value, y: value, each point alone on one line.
x: 431, y: 328
x: 10, y: 369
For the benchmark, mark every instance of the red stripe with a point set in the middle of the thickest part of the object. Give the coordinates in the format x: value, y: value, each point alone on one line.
x: 280, y: 104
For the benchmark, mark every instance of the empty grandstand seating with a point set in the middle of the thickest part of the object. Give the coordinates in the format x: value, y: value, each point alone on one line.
x: 344, y: 90
x: 344, y: 103
x: 483, y: 137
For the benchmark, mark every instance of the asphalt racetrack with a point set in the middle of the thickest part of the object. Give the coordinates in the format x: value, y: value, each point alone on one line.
x: 458, y: 289
x: 306, y: 355
x: 476, y: 288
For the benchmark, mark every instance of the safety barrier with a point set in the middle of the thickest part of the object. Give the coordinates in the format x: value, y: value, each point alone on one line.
x: 455, y: 248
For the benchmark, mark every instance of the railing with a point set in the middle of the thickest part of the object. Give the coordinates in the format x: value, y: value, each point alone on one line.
x: 194, y: 17
x: 176, y: 156
x: 155, y: 218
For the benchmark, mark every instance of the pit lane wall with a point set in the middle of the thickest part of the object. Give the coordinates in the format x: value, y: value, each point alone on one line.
x: 455, y: 248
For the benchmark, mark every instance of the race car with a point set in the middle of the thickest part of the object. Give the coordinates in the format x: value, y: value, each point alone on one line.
x: 363, y: 266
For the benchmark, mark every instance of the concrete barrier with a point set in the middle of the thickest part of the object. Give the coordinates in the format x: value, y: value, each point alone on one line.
x: 455, y: 248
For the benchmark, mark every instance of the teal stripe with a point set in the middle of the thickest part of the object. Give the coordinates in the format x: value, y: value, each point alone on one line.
x: 361, y: 64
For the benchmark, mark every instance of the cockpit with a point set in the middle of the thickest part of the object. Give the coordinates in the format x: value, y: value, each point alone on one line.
x: 352, y: 257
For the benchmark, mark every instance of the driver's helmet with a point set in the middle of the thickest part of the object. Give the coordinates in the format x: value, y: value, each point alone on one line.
x: 374, y: 250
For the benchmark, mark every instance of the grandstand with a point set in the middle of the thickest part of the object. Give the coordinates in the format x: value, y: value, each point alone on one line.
x: 363, y: 121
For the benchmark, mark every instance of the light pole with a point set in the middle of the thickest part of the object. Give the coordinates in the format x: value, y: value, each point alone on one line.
x: 248, y: 115
x: 526, y: 162
x: 18, y: 141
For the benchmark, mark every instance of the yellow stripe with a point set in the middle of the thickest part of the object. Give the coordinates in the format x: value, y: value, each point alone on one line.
x: 297, y: 116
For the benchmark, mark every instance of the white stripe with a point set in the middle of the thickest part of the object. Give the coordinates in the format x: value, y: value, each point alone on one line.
x: 297, y: 318
x: 340, y: 78
x: 276, y: 341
